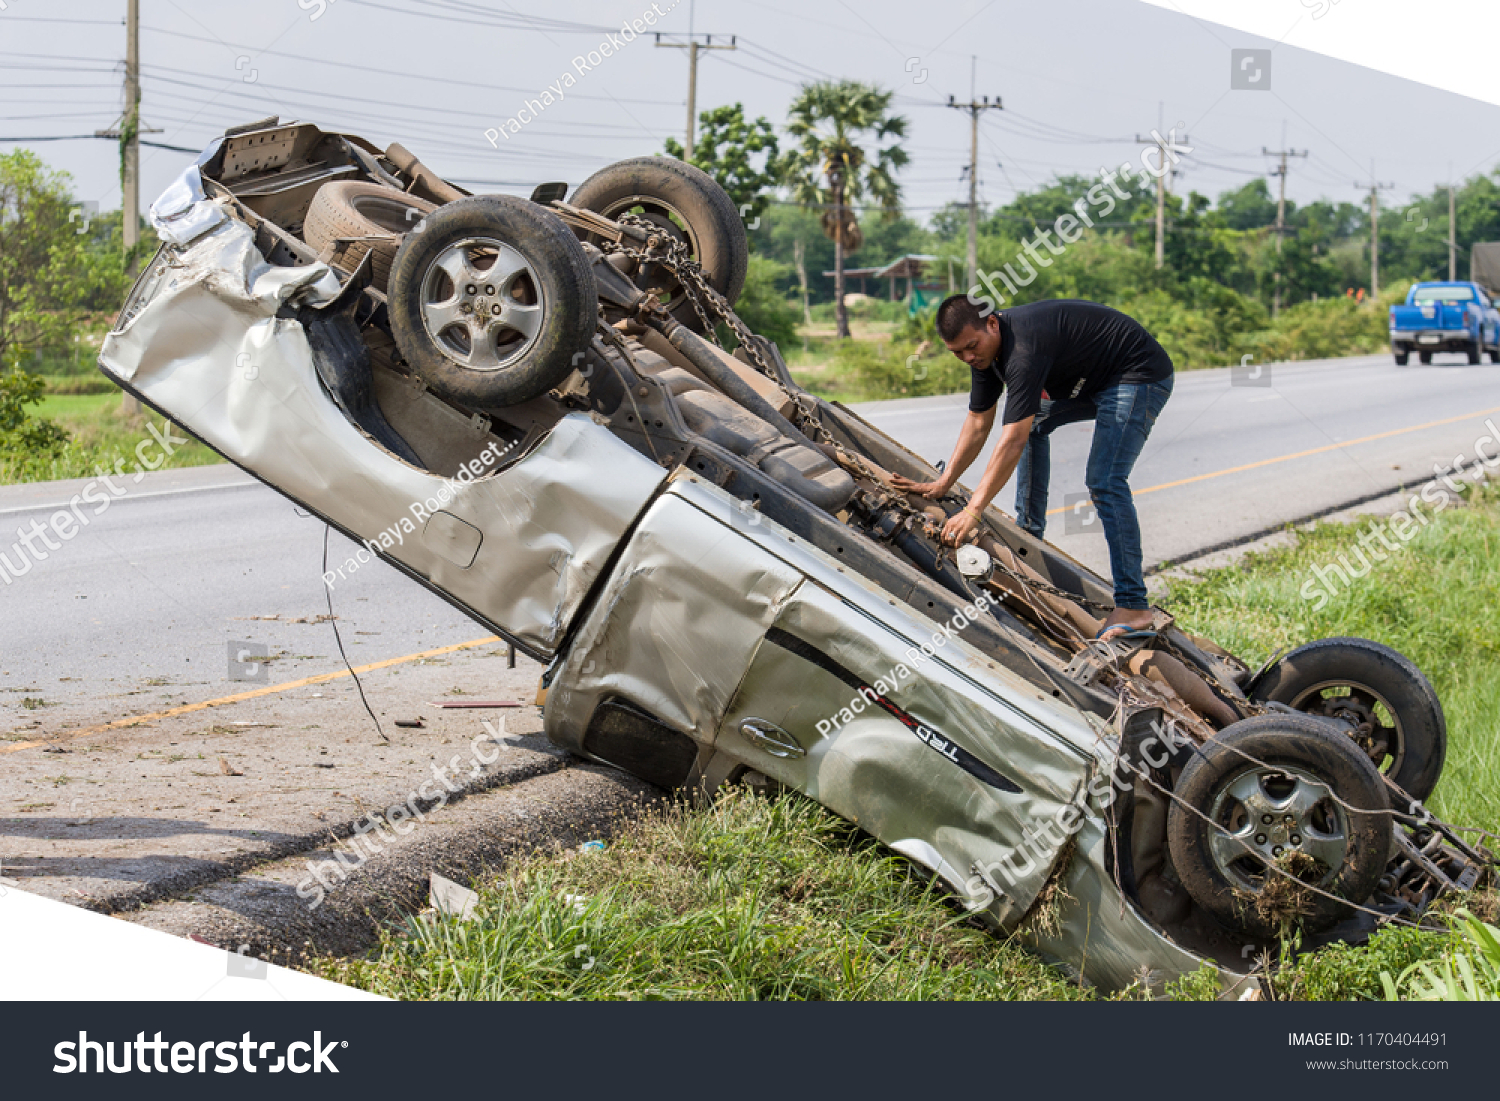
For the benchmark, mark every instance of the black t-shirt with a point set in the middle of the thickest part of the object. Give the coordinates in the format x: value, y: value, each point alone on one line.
x: 1070, y: 349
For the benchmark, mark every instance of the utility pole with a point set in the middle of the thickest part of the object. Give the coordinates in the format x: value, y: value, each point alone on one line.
x: 799, y: 253
x: 1161, y: 144
x: 132, y: 176
x: 1375, y: 187
x: 128, y: 129
x: 974, y: 106
x: 692, y: 46
x: 1161, y: 216
x: 1453, y: 235
x: 1280, y: 214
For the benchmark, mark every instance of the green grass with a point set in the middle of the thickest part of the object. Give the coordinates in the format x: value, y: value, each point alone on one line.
x: 1434, y: 602
x: 98, y: 435
x: 749, y: 899
x: 77, y: 408
x: 759, y: 899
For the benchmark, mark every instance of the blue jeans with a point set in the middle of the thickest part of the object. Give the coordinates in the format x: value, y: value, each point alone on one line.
x: 1123, y: 416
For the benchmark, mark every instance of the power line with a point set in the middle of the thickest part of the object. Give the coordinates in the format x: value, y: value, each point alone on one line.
x: 768, y: 76
x: 790, y: 64
x: 447, y: 82
x: 424, y: 114
x: 504, y: 20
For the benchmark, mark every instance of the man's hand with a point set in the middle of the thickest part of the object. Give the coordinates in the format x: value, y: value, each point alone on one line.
x: 960, y: 528
x: 933, y: 490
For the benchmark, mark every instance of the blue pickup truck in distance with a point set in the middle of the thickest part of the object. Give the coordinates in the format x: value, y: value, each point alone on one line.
x: 1446, y: 317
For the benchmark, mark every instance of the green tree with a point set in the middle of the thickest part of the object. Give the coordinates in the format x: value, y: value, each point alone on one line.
x: 741, y: 155
x: 1032, y: 210
x: 55, y: 267
x: 1250, y: 207
x: 782, y: 230
x: 1198, y: 243
x: 1414, y: 234
x: 888, y: 239
x: 951, y: 220
x: 1306, y: 260
x: 53, y: 270
x: 830, y: 168
x: 763, y: 305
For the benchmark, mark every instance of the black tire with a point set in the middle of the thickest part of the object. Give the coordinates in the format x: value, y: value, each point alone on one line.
x: 352, y: 208
x: 1475, y: 352
x: 1495, y: 355
x: 685, y: 202
x: 1401, y: 358
x: 540, y: 313
x: 1309, y: 781
x: 1402, y: 730
x: 1425, y: 358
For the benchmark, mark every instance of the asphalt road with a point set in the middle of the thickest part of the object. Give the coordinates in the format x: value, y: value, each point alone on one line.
x: 136, y: 612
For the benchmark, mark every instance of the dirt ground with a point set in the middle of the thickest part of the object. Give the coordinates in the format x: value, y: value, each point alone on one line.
x: 223, y: 804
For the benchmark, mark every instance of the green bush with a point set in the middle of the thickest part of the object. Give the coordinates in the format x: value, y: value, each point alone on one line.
x: 868, y: 308
x: 920, y: 326
x: 763, y: 308
x: 891, y: 369
x: 25, y: 439
x: 1468, y: 972
x: 1325, y: 329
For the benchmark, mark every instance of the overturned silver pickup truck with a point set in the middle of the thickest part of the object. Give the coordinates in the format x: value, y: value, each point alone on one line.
x: 524, y: 405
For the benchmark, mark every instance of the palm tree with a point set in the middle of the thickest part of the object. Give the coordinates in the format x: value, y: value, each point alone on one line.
x: 829, y: 168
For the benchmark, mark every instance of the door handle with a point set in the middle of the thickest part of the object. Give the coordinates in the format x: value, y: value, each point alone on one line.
x: 771, y: 738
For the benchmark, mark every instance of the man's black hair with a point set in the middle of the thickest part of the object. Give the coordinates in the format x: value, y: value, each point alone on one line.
x: 957, y: 313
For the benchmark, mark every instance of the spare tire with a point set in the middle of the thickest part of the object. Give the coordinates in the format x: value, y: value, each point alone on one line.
x: 688, y: 204
x: 349, y: 209
x: 493, y: 303
x: 1269, y: 804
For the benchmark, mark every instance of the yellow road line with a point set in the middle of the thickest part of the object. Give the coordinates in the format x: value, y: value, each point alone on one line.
x: 1301, y: 454
x: 269, y: 690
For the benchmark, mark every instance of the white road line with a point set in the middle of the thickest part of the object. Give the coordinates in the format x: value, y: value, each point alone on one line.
x: 133, y: 496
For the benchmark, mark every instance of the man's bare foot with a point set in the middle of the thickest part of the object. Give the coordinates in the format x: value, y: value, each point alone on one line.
x: 1125, y: 619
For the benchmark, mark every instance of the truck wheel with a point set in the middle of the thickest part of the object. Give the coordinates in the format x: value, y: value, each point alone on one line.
x: 686, y: 203
x: 351, y: 209
x: 1402, y: 357
x: 1474, y: 352
x: 1271, y: 804
x: 1425, y: 357
x: 492, y: 301
x: 1397, y: 717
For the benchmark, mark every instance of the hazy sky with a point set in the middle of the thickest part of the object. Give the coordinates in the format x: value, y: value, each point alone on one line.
x: 1079, y: 79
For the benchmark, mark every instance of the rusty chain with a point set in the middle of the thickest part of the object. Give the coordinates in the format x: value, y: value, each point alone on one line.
x: 671, y: 253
